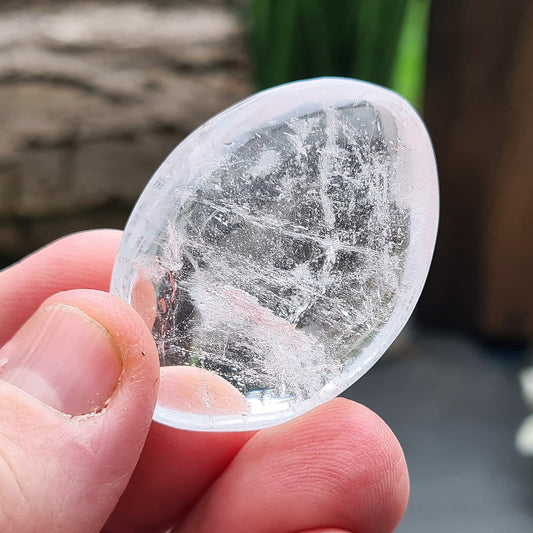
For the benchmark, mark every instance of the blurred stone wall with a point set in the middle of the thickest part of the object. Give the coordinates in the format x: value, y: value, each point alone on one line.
x: 93, y: 97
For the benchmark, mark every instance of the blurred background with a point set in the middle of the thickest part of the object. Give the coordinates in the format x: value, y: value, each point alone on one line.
x: 93, y: 96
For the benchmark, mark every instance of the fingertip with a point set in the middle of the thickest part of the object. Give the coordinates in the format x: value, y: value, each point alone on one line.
x: 76, y: 464
x: 80, y: 260
x: 75, y: 246
x: 363, y: 438
x: 337, y: 466
x: 126, y: 327
x: 64, y: 358
x: 154, y: 501
x: 118, y: 432
x: 78, y: 341
x: 185, y: 388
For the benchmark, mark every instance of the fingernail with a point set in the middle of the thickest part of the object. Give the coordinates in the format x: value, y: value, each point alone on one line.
x: 64, y: 358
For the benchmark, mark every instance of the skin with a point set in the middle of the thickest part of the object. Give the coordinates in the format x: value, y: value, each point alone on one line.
x: 336, y: 468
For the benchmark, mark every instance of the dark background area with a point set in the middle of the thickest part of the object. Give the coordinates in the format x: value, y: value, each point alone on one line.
x: 479, y: 110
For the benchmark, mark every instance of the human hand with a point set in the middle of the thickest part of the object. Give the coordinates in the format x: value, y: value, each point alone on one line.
x: 78, y: 385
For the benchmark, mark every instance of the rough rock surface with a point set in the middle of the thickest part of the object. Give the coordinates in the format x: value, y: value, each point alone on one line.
x: 92, y: 98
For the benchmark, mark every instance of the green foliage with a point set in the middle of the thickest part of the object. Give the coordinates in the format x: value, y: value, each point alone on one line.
x: 409, y: 71
x: 382, y: 41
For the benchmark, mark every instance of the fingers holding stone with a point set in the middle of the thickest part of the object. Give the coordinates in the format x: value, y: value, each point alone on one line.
x: 78, y: 385
x: 79, y: 261
x: 338, y: 466
x: 178, y: 466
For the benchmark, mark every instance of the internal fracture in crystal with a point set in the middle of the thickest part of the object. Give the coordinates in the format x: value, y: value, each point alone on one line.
x: 282, y: 247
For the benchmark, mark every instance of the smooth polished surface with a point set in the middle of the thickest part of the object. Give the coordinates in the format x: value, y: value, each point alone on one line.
x: 280, y: 249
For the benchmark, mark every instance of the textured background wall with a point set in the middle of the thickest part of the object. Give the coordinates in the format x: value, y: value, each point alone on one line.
x: 92, y: 98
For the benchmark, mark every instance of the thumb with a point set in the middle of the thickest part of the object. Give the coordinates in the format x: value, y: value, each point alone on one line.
x: 78, y: 385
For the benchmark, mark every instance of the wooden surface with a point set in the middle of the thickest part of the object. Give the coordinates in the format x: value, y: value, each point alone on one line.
x: 507, y: 306
x: 477, y: 53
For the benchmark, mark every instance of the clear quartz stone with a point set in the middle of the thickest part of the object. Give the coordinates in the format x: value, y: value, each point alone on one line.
x: 279, y: 250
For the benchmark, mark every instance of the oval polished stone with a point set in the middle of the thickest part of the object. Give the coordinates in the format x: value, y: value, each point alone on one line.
x: 280, y: 249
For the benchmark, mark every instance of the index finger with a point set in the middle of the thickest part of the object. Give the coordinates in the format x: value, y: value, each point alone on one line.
x: 79, y: 261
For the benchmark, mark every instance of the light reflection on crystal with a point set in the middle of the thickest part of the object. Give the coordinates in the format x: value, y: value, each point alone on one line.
x: 278, y: 260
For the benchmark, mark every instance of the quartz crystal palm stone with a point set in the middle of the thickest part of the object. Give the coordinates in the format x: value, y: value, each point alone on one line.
x: 279, y: 250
